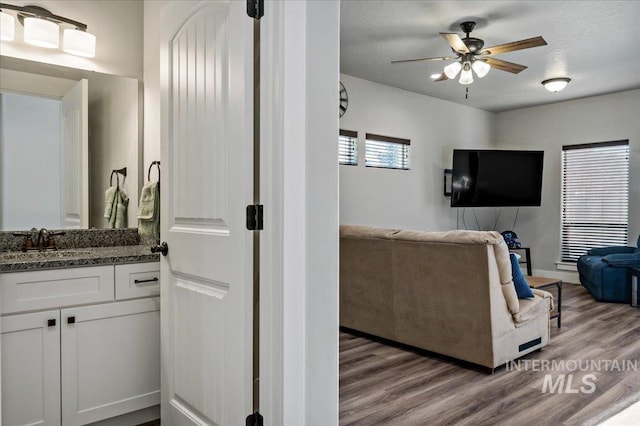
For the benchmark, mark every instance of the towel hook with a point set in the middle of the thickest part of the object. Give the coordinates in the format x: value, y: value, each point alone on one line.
x: 117, y: 180
x: 153, y: 163
x: 122, y: 171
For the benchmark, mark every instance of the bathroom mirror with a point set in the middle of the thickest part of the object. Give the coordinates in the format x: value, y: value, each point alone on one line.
x: 44, y: 181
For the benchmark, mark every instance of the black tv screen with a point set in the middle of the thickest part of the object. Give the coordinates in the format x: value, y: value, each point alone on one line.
x: 495, y: 178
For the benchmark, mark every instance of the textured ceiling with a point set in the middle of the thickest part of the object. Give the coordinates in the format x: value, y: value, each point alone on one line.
x: 595, y: 43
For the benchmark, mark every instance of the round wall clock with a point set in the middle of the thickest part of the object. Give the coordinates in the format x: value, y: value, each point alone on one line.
x: 344, y: 100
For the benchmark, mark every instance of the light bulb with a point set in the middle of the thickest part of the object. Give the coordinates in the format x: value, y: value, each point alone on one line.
x: 481, y: 68
x: 452, y: 70
x: 79, y: 43
x: 41, y: 32
x: 466, y: 76
x: 7, y: 27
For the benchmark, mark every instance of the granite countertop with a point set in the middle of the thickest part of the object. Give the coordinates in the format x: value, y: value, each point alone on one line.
x: 13, y: 261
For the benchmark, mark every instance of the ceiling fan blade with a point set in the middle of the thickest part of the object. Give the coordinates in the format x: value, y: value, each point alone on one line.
x: 455, y: 42
x: 499, y: 64
x: 442, y: 58
x: 514, y: 45
x: 442, y: 77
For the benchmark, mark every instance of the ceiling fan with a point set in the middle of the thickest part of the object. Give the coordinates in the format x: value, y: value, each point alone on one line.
x: 470, y: 54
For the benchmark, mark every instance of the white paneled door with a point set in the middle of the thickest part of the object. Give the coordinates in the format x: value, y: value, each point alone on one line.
x: 207, y: 140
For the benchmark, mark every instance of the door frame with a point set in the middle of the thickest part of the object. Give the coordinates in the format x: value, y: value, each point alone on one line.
x: 299, y: 189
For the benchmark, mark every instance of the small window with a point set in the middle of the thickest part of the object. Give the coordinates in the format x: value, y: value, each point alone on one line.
x: 595, y: 197
x: 386, y: 152
x: 348, y: 148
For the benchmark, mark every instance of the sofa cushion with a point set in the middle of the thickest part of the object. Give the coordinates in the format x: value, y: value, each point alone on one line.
x: 604, y: 251
x: 356, y: 231
x: 519, y: 281
x: 451, y: 237
x: 532, y: 308
x: 622, y: 260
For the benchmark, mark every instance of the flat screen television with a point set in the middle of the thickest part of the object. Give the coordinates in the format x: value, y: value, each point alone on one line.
x: 496, y: 178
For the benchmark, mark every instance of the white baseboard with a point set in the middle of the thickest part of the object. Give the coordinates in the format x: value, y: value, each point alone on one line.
x: 134, y: 418
x: 568, y: 277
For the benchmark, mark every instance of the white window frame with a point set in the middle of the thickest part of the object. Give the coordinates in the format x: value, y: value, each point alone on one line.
x: 594, y: 197
x: 378, y: 143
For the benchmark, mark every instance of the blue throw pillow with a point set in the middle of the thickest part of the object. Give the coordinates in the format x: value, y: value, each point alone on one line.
x: 522, y: 286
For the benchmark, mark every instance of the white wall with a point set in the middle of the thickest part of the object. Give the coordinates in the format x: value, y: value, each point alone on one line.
x: 117, y: 26
x: 30, y: 162
x: 113, y: 143
x: 152, y: 84
x: 410, y: 199
x: 596, y: 119
x: 321, y: 199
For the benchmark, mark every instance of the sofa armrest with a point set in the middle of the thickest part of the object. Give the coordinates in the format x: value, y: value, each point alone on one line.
x: 622, y: 260
x: 544, y: 295
x: 604, y: 251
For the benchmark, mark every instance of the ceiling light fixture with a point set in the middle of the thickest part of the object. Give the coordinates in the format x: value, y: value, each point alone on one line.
x: 556, y: 84
x: 42, y: 28
x: 466, y: 64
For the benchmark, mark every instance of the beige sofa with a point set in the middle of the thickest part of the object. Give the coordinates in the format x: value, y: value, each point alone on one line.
x: 446, y: 292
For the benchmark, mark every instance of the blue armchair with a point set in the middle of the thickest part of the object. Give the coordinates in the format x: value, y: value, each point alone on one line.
x: 605, y: 272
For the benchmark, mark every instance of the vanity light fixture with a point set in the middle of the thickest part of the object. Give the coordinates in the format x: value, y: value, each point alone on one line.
x: 41, y: 32
x: 42, y: 28
x: 7, y: 26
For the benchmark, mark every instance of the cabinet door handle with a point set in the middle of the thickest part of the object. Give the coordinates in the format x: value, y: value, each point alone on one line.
x: 71, y: 320
x: 51, y: 323
x: 146, y: 281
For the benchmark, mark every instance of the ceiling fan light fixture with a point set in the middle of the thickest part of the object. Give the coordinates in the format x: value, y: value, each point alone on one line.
x: 466, y: 76
x: 452, y: 70
x: 481, y: 68
x: 7, y: 26
x: 556, y: 84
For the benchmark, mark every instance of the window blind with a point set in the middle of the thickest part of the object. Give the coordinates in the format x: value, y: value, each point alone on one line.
x: 595, y: 197
x: 386, y: 152
x: 348, y: 148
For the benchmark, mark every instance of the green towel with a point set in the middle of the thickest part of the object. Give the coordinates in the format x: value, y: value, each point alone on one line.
x: 149, y: 211
x: 109, y: 197
x: 116, y: 208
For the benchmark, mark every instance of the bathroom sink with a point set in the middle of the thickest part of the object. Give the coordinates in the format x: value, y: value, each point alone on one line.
x: 42, y: 255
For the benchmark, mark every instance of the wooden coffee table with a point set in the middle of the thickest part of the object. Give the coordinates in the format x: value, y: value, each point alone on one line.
x: 541, y: 283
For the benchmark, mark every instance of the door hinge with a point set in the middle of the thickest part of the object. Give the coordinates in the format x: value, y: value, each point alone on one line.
x: 254, y: 419
x: 255, y: 217
x: 255, y: 8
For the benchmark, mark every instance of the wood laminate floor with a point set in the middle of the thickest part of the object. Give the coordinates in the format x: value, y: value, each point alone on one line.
x: 382, y: 384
